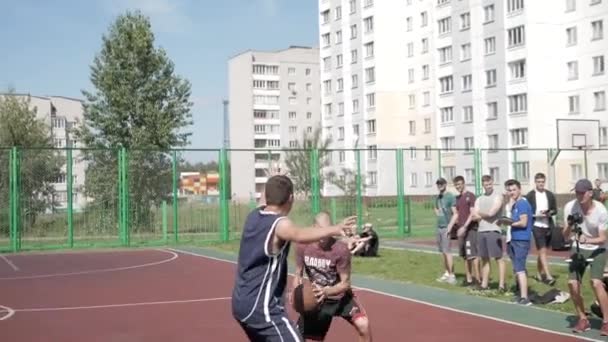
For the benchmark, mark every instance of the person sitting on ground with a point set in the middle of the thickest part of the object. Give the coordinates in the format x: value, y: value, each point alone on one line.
x: 365, y: 244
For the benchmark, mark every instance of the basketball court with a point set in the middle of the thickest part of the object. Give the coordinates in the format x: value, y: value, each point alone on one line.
x: 170, y: 295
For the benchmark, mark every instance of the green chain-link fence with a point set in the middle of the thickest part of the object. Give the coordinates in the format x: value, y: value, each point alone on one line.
x: 64, y: 198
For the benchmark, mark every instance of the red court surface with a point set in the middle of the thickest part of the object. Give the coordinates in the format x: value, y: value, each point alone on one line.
x: 160, y: 295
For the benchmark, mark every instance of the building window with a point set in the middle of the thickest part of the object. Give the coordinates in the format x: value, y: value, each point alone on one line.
x: 495, y: 174
x: 597, y: 27
x: 445, y: 25
x: 599, y: 98
x: 371, y: 126
x: 469, y: 143
x: 426, y: 98
x: 522, y: 171
x: 576, y: 172
x: 492, y: 108
x: 369, y: 50
x: 491, y: 78
x: 571, y: 36
x: 353, y: 31
x: 447, y: 84
x: 371, y: 100
x: 447, y: 114
x: 370, y: 75
x: 603, y: 136
x: 519, y: 137
x: 427, y: 125
x: 518, y: 70
x: 465, y: 21
x: 493, y: 141
x: 467, y: 83
x: 572, y: 70
x: 427, y: 152
x: 488, y: 14
x: 413, y: 179
x: 573, y: 104
x: 373, y: 178
x: 467, y: 114
x: 598, y: 65
x: 490, y: 45
x: 465, y: 52
x: 517, y: 36
x: 570, y: 5
x: 368, y: 24
x: 428, y: 179
x: 424, y: 19
x: 445, y: 54
x: 372, y: 152
x: 518, y: 103
x: 602, y: 171
x: 447, y: 143
x: 412, y: 127
x: 515, y: 5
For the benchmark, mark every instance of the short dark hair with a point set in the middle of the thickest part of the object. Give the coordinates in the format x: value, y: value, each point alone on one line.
x: 278, y: 190
x: 513, y: 182
x: 539, y: 175
x: 458, y: 179
x: 486, y: 178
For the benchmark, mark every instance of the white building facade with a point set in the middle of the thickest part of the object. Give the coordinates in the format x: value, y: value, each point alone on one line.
x: 459, y: 75
x: 273, y: 102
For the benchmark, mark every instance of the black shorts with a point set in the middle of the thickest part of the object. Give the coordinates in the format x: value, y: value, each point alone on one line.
x: 468, y: 245
x: 315, y: 325
x: 542, y: 237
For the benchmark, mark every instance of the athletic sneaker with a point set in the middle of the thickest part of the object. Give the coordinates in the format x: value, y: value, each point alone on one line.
x: 451, y: 280
x: 581, y: 326
x: 443, y: 278
x: 524, y: 301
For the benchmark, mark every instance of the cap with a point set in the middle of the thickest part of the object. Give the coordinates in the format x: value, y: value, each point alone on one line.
x: 441, y: 181
x: 367, y: 225
x: 583, y: 185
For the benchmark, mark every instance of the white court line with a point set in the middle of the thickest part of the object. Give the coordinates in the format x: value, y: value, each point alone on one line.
x: 430, y: 304
x: 5, y: 309
x: 174, y: 256
x: 120, y: 305
x: 10, y: 263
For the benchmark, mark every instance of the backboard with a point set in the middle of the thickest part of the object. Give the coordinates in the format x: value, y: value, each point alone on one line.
x: 577, y: 134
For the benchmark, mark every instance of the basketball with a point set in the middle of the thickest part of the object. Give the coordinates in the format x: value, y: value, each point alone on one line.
x: 304, y: 299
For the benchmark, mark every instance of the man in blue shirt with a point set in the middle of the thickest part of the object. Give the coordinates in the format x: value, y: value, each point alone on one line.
x: 518, y: 237
x: 257, y: 298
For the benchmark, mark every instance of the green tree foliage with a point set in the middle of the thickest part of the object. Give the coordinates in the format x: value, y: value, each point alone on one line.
x: 298, y: 161
x: 40, y: 166
x: 138, y: 103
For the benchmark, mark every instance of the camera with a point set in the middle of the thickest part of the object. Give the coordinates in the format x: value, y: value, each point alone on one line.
x: 575, y: 219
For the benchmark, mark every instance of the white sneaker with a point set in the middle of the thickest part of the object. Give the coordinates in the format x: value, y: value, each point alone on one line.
x: 443, y: 278
x: 451, y: 280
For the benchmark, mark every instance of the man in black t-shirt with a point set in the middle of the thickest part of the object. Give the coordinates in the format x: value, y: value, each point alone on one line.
x: 367, y: 243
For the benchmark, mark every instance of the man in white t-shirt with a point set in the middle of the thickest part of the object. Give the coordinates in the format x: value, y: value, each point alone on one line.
x: 592, y: 243
x: 544, y: 207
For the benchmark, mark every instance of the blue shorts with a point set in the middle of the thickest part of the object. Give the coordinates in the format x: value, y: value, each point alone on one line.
x: 518, y: 252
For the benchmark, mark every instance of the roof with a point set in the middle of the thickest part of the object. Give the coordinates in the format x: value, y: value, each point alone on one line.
x: 273, y: 51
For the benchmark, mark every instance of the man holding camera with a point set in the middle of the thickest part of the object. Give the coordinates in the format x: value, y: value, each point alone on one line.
x: 586, y: 221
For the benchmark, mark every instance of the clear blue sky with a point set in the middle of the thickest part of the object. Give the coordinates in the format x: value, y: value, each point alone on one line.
x: 48, y: 46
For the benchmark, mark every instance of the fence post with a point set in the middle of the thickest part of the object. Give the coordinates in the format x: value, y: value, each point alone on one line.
x: 359, y: 195
x: 164, y: 218
x: 175, y: 199
x: 14, y: 200
x: 124, y: 196
x: 400, y: 193
x: 70, y: 198
x: 334, y: 216
x: 224, y: 214
x: 314, y: 181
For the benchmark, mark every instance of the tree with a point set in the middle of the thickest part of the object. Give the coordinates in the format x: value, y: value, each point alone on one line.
x: 138, y: 104
x: 298, y: 160
x: 40, y: 166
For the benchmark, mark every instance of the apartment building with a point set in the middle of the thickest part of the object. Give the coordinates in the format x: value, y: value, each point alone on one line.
x: 370, y: 96
x: 61, y: 114
x: 459, y: 75
x: 273, y: 102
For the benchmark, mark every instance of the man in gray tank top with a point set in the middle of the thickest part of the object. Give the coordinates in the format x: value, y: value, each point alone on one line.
x: 488, y: 209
